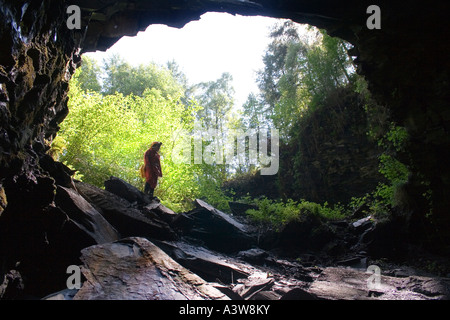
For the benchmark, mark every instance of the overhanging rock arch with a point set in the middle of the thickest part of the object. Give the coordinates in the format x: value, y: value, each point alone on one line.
x: 405, y: 62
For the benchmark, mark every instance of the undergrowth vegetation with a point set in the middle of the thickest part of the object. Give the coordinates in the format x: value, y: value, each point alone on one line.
x: 276, y: 214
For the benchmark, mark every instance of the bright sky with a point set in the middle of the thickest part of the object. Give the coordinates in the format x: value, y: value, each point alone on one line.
x: 203, y: 49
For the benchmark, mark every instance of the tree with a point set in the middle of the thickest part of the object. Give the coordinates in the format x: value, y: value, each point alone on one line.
x: 282, y: 35
x: 326, y: 67
x: 95, y: 132
x: 254, y: 113
x: 216, y: 98
x: 298, y: 74
x: 106, y: 135
x: 123, y: 78
x: 279, y: 80
x: 88, y: 78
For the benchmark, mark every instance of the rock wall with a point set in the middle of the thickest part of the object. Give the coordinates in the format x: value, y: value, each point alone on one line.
x: 407, y: 71
x: 330, y: 157
x: 37, y: 58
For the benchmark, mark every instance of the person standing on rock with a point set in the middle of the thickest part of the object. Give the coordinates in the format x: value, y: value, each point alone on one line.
x: 152, y: 168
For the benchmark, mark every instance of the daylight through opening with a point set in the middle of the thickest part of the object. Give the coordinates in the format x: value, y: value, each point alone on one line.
x: 230, y: 83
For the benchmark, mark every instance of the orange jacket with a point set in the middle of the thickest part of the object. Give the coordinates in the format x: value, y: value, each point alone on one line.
x: 152, y: 167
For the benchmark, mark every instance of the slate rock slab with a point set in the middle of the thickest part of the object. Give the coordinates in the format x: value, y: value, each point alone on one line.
x: 85, y: 216
x: 218, y: 230
x: 129, y: 221
x: 136, y: 269
x: 126, y: 191
x: 338, y: 283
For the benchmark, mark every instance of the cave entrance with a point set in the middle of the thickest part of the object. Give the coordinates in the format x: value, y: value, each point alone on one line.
x: 39, y: 54
x: 231, y: 74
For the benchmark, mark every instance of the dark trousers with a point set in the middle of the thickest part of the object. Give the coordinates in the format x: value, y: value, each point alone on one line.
x: 148, y: 190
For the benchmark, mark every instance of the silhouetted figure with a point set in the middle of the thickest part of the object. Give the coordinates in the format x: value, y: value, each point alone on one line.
x: 152, y: 169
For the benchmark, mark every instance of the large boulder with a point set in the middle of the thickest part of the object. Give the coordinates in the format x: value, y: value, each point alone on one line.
x: 158, y: 210
x: 150, y: 207
x: 218, y: 230
x: 128, y: 220
x: 126, y: 191
x: 210, y: 265
x: 135, y: 269
x: 39, y: 245
x: 85, y: 216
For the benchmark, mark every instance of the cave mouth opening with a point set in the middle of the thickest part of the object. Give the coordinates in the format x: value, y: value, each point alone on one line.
x: 222, y: 54
x: 367, y: 61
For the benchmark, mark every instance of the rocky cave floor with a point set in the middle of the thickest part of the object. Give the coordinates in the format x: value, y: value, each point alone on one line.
x: 208, y: 254
x: 144, y: 251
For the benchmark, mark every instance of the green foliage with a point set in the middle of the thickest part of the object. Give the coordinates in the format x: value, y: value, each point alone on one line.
x: 384, y: 197
x: 210, y: 191
x: 93, y: 132
x: 253, y: 113
x: 88, y: 77
x: 113, y: 121
x: 276, y: 214
x: 107, y: 131
x: 216, y: 99
x: 107, y: 135
x: 395, y: 138
x: 299, y: 74
x: 395, y: 172
x: 57, y: 147
x: 123, y: 78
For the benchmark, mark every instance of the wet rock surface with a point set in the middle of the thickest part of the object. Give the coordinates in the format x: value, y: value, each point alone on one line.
x: 83, y: 214
x: 136, y: 269
x: 350, y: 284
